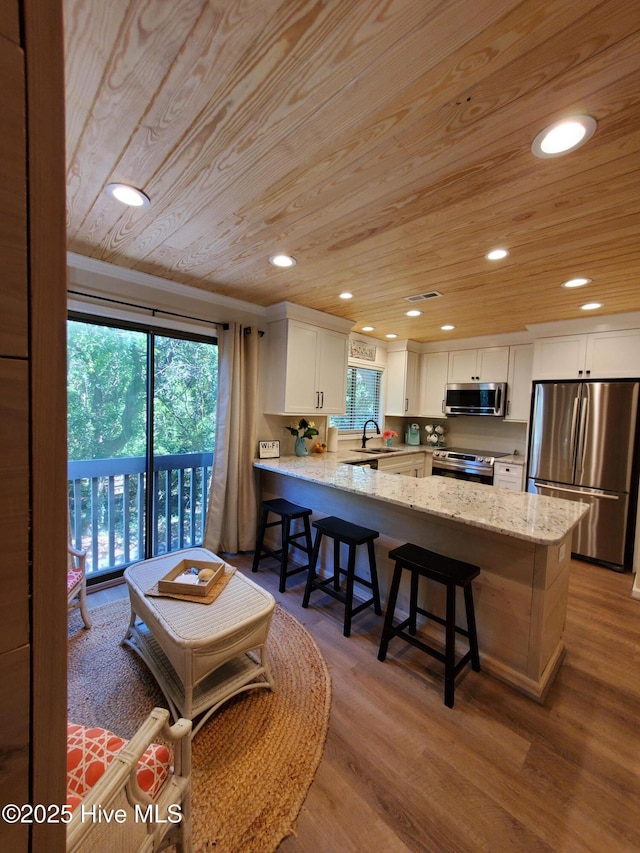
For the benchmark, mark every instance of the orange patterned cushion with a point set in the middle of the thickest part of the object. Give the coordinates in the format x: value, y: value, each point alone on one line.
x: 91, y: 750
x: 74, y: 576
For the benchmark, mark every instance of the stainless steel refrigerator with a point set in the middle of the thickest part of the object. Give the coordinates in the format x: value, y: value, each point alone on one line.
x: 582, y: 448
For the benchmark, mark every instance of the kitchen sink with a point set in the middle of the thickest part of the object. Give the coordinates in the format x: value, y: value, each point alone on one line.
x: 377, y: 450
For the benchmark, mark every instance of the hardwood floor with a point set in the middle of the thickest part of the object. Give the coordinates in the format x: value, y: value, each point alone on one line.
x: 498, y: 772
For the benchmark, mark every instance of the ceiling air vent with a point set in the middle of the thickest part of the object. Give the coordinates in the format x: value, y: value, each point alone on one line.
x: 420, y: 297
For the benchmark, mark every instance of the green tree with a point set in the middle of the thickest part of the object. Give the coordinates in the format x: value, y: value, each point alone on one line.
x: 107, y: 381
x: 105, y: 391
x: 186, y: 387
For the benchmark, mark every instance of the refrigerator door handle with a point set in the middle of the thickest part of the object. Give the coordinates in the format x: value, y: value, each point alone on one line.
x: 586, y: 492
x: 582, y: 444
x: 575, y: 416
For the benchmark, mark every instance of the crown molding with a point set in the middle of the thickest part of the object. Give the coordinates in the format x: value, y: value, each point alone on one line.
x: 599, y: 323
x: 291, y: 311
x: 98, y: 275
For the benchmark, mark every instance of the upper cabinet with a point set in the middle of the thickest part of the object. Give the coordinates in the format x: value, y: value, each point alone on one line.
x: 598, y: 355
x: 433, y: 379
x: 490, y: 364
x: 307, y: 369
x: 519, y: 383
x: 402, y: 383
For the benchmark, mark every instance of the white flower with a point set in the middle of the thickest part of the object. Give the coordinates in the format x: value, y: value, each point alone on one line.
x: 440, y: 430
x: 429, y: 428
x: 433, y: 438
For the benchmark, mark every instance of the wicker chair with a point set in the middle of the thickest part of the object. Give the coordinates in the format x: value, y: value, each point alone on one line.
x: 77, y: 583
x: 139, y: 781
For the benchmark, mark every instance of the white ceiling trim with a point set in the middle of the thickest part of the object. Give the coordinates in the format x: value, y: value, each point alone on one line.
x: 91, y: 267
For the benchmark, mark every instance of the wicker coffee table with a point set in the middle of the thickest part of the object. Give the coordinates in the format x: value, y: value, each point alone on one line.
x: 200, y: 654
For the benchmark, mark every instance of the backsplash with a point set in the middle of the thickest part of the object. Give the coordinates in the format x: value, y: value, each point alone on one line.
x: 469, y: 432
x: 475, y: 433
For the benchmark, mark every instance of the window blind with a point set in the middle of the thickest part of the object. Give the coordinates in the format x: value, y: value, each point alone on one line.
x: 363, y: 399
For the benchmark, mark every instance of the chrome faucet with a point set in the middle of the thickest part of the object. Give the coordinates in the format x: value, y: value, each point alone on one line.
x: 366, y: 438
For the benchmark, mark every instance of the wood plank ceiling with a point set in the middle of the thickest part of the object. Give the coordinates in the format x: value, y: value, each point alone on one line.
x: 385, y: 144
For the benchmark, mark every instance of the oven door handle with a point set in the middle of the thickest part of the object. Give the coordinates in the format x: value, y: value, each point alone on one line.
x: 484, y: 471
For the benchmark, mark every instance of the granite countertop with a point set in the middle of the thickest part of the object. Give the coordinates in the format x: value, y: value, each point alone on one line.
x: 535, y: 518
x: 511, y: 459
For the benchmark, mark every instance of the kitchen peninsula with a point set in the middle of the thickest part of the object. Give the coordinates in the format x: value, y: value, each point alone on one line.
x: 521, y: 542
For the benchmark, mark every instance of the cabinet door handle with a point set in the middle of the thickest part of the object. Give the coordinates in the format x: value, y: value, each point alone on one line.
x: 322, y: 399
x: 406, y: 404
x: 508, y: 406
x: 443, y: 406
x: 579, y: 373
x: 317, y: 399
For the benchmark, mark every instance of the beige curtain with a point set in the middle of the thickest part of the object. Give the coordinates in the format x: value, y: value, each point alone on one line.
x: 231, y: 517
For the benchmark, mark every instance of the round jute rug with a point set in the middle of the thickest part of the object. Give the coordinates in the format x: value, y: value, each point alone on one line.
x: 254, y: 759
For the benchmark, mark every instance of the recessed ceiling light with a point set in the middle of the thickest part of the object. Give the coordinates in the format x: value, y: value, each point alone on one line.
x: 591, y: 306
x: 496, y: 254
x: 346, y: 295
x: 413, y: 313
x: 282, y: 261
x: 576, y: 282
x: 368, y: 328
x: 563, y: 136
x: 447, y: 328
x: 391, y: 336
x: 128, y: 195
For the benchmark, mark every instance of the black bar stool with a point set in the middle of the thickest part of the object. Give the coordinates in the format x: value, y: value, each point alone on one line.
x: 452, y: 573
x: 351, y: 535
x: 286, y: 512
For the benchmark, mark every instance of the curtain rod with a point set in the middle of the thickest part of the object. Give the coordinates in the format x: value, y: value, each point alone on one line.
x: 154, y: 311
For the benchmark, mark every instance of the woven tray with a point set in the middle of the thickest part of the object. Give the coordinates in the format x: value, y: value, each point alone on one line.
x: 214, y: 591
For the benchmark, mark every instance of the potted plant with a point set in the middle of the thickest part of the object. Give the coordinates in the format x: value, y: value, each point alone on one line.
x: 389, y: 435
x: 302, y: 430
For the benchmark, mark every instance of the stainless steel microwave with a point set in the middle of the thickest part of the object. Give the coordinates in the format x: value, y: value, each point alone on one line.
x: 476, y: 398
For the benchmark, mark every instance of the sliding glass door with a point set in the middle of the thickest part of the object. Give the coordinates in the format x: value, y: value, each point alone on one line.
x: 141, y: 435
x: 185, y: 386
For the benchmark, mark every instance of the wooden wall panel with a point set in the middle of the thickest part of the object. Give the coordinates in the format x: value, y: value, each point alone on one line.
x: 15, y: 653
x: 10, y: 21
x: 13, y: 210
x: 14, y: 503
x: 47, y: 333
x: 14, y: 743
x: 33, y: 613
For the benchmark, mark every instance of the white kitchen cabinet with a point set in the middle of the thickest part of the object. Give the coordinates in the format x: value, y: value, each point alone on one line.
x: 613, y: 355
x: 307, y: 369
x: 508, y: 476
x: 412, y: 465
x: 401, y: 380
x: 597, y: 355
x: 490, y: 364
x: 433, y: 379
x: 519, y: 383
x: 559, y: 358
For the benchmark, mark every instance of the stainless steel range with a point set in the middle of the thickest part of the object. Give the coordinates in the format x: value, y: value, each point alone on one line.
x: 461, y: 464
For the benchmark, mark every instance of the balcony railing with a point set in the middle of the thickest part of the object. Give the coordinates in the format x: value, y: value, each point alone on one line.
x: 108, y: 508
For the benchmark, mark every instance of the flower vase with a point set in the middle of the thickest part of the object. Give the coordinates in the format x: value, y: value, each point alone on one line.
x: 301, y: 446
x: 389, y: 442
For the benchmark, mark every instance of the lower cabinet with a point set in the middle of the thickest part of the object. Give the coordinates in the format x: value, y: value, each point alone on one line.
x: 508, y: 476
x: 412, y: 465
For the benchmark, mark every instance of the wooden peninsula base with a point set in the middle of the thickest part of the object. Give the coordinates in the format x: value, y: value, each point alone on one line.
x: 520, y: 596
